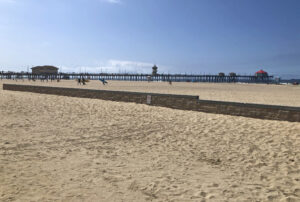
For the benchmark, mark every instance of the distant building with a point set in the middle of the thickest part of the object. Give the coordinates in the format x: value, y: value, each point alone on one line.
x: 47, y: 69
x: 261, y: 73
x: 221, y: 74
x: 154, y: 70
x: 232, y: 74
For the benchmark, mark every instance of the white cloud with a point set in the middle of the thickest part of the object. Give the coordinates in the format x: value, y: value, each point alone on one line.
x: 116, y: 66
x: 126, y: 63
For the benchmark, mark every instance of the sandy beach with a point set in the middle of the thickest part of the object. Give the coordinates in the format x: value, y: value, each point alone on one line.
x: 56, y: 148
x: 287, y: 95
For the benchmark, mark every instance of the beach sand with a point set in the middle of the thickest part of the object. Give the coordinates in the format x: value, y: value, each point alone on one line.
x: 287, y: 95
x: 56, y: 148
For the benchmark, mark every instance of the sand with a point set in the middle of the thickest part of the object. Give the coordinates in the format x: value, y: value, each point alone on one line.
x: 55, y: 148
x: 287, y: 95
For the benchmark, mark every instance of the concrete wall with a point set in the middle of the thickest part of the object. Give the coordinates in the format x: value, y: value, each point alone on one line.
x: 183, y: 102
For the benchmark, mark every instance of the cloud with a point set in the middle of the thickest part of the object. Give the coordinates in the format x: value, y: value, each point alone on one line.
x: 115, y: 66
x: 113, y: 1
x: 122, y: 66
x: 122, y: 63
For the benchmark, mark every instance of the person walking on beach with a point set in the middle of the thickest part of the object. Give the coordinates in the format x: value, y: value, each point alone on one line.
x: 78, y: 81
x: 103, y: 81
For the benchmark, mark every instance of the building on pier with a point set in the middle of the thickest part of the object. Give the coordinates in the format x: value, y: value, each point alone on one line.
x: 46, y: 69
x: 261, y: 73
x: 154, y: 70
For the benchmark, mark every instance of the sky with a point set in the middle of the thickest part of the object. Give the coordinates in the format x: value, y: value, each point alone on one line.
x: 179, y: 36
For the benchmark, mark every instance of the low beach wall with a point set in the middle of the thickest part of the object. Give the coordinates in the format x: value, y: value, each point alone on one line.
x: 183, y: 102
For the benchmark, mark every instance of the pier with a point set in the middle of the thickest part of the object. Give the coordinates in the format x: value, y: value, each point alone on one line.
x: 139, y: 77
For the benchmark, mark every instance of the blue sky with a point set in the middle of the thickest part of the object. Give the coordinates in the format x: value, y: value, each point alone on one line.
x: 180, y: 36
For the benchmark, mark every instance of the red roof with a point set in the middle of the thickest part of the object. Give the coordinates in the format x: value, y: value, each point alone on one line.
x: 261, y: 72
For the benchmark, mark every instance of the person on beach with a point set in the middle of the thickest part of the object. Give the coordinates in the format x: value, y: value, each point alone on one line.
x: 78, y: 81
x: 103, y: 81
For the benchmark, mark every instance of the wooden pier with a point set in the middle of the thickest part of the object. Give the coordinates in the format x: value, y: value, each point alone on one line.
x: 139, y: 77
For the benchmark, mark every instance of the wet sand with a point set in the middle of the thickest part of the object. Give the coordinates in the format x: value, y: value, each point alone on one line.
x: 55, y: 148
